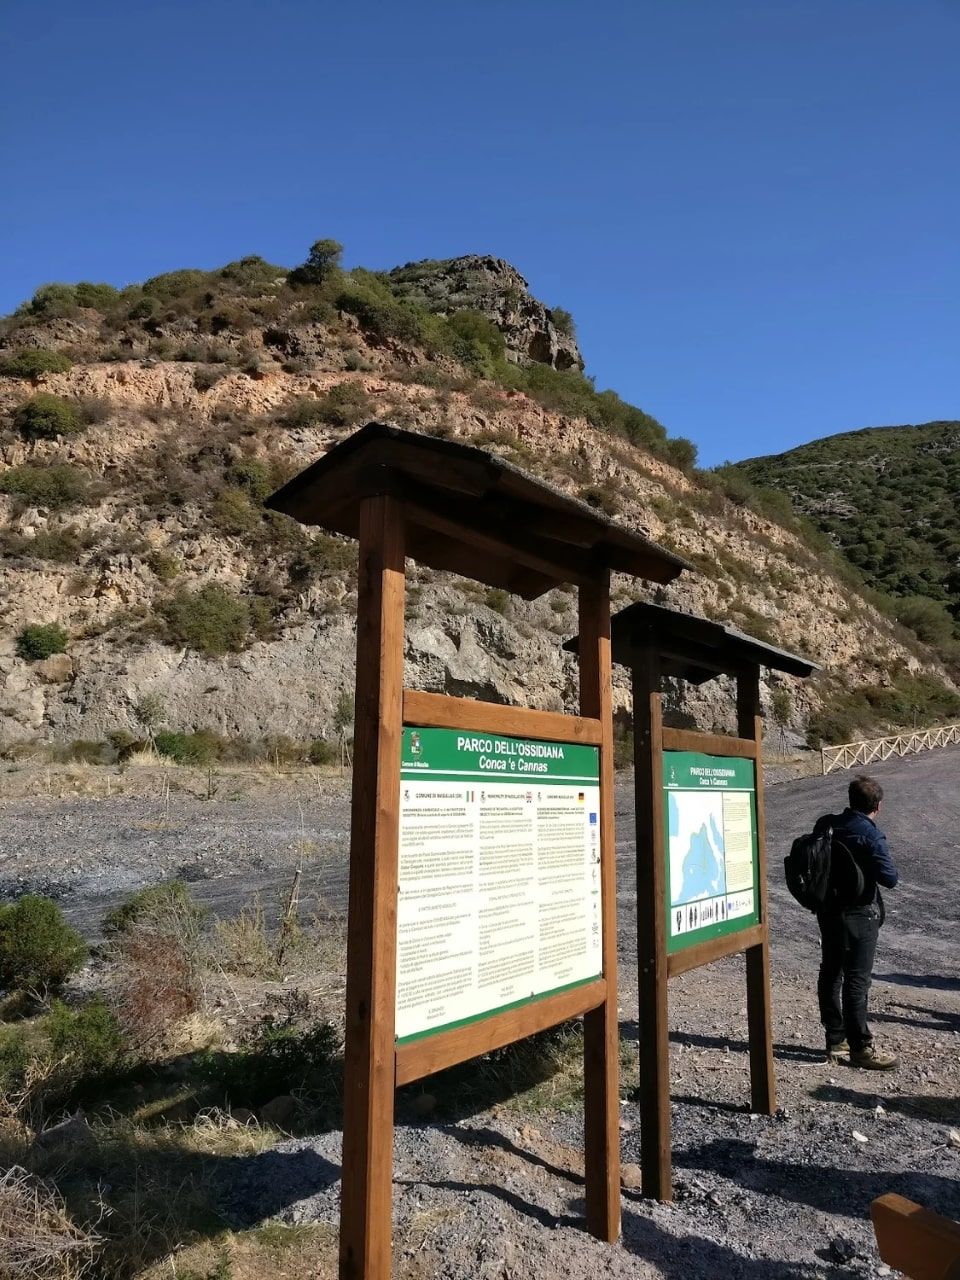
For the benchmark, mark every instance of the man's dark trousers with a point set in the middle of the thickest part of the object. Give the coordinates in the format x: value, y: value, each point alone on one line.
x: 848, y: 944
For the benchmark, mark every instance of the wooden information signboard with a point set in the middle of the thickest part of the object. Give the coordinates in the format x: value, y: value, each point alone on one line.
x: 482, y: 901
x: 701, y: 858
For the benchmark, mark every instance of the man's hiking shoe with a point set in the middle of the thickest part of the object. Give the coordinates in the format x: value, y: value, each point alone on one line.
x: 837, y: 1051
x: 872, y: 1059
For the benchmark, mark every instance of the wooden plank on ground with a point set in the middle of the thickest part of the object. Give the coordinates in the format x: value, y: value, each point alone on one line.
x: 921, y: 1244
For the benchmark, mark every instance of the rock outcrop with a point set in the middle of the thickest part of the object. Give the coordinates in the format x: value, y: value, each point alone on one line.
x: 491, y: 286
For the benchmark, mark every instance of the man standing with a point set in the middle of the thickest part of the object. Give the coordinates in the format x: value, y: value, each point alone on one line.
x: 849, y: 932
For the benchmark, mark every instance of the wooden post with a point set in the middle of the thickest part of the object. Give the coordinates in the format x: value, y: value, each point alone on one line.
x: 655, y: 1155
x: 763, y: 1084
x: 601, y: 1029
x: 369, y: 1054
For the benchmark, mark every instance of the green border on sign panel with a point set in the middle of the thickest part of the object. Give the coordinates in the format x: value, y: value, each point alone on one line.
x: 503, y: 1008
x: 720, y: 773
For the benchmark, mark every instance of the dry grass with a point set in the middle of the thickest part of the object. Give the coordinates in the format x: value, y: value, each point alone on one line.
x: 38, y: 1241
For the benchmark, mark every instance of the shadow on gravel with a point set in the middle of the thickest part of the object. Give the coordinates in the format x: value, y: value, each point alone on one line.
x: 695, y: 1258
x: 945, y: 1022
x: 823, y: 1187
x: 935, y: 981
x: 694, y: 1040
x: 261, y: 1186
x: 919, y: 1107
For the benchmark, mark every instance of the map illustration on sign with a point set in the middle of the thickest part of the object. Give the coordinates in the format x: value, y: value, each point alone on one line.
x: 711, y: 846
x: 499, y: 875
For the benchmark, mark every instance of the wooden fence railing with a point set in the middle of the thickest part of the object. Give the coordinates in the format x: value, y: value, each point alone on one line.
x: 909, y: 743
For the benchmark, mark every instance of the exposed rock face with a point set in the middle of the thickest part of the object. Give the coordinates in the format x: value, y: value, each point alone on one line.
x: 498, y: 291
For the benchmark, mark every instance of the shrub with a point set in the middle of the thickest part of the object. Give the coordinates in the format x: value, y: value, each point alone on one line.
x: 198, y: 748
x: 38, y: 949
x: 563, y: 322
x: 252, y: 272
x: 30, y: 364
x: 278, y: 1056
x: 87, y: 1040
x: 302, y: 412
x: 40, y: 640
x: 60, y: 545
x: 211, y: 620
x: 498, y: 600
x: 234, y: 513
x: 322, y: 752
x: 165, y: 566
x: 174, y: 284
x: 53, y: 486
x: 53, y: 301
x: 165, y: 906
x: 99, y: 296
x: 46, y: 417
x: 928, y: 618
x: 345, y: 405
x: 157, y: 984
x: 383, y: 317
x: 253, y: 477
x: 207, y: 376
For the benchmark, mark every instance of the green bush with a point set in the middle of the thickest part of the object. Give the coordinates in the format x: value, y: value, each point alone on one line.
x: 928, y: 618
x: 38, y: 949
x: 252, y: 272
x: 54, y: 486
x: 234, y: 513
x: 563, y: 322
x: 175, y: 284
x: 498, y: 600
x: 254, y: 478
x: 60, y: 545
x: 99, y: 296
x: 198, y: 748
x: 305, y: 411
x: 46, y: 417
x: 87, y: 1039
x: 165, y: 566
x: 54, y: 301
x: 345, y: 405
x: 32, y: 363
x: 40, y: 640
x: 322, y: 752
x: 157, y: 905
x: 211, y: 620
x: 276, y: 1057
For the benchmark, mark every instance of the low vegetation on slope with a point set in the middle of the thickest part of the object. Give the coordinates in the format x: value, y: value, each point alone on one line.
x: 142, y: 429
x: 887, y: 497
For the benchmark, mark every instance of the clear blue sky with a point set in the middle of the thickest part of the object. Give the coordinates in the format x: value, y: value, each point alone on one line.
x: 751, y: 206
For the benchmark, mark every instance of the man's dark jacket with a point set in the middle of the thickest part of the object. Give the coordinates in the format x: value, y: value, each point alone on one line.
x: 868, y: 845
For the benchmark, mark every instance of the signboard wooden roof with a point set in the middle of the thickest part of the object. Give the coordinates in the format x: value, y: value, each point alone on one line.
x: 692, y: 647
x: 470, y: 512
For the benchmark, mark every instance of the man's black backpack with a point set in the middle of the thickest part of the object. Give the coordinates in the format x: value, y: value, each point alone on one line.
x: 822, y: 873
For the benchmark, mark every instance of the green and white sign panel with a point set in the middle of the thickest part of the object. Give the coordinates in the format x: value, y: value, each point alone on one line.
x: 711, y: 825
x: 499, y: 889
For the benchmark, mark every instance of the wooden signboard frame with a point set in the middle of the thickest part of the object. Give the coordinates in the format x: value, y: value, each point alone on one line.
x: 458, y: 508
x: 655, y: 966
x: 653, y: 642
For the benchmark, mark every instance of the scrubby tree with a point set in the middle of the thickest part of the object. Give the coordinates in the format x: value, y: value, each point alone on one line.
x: 323, y: 262
x: 33, y: 363
x: 38, y: 949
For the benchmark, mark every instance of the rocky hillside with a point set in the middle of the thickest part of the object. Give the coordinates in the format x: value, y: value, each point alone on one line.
x: 143, y: 584
x: 889, y: 498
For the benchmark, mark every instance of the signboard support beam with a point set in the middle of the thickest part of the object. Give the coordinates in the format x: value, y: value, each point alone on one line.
x: 601, y: 1029
x: 652, y: 964
x: 369, y: 1053
x: 763, y: 1087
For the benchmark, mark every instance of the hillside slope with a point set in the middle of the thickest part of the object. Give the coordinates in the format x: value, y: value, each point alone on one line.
x: 889, y: 498
x: 141, y: 431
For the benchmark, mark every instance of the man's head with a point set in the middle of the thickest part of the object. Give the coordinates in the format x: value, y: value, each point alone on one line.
x: 865, y: 794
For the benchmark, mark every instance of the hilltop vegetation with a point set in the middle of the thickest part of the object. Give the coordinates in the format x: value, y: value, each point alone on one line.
x: 887, y: 497
x: 142, y: 428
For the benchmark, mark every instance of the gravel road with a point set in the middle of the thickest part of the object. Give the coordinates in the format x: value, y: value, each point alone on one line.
x: 497, y: 1195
